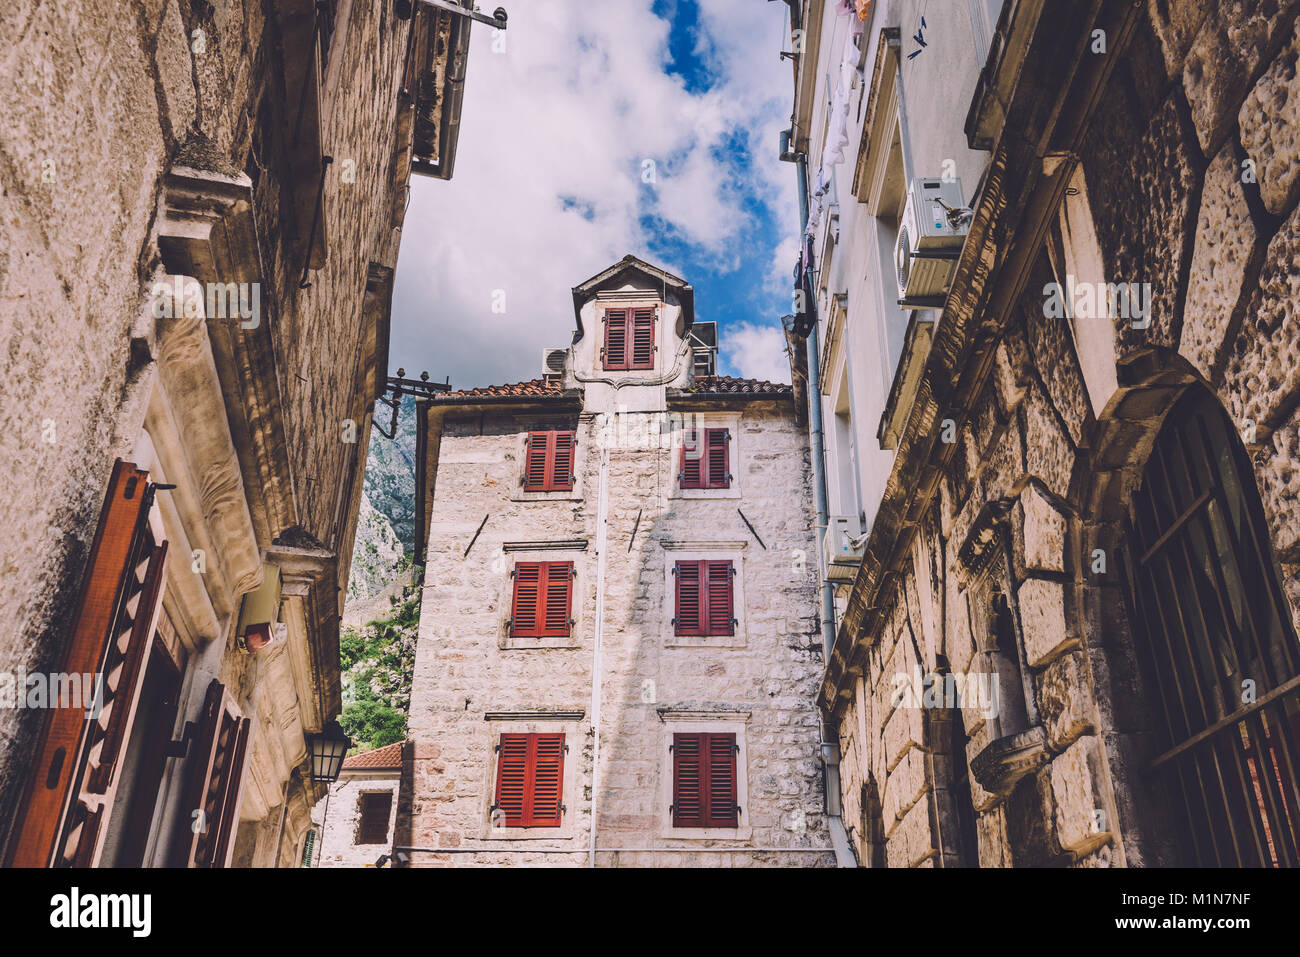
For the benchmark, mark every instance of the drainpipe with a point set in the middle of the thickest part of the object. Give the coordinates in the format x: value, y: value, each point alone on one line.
x: 830, y: 749
x: 602, y: 512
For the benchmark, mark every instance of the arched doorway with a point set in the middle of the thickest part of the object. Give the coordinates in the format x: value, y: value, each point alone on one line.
x: 1216, y: 646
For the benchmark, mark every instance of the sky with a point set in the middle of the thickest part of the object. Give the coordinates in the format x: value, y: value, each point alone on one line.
x: 648, y: 127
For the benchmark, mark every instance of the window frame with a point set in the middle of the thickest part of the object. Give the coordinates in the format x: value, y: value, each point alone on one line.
x: 691, y: 449
x: 736, y: 458
x: 547, y: 574
x: 574, y: 731
x: 362, y: 797
x: 579, y: 599
x: 733, y: 552
x: 550, y: 452
x: 629, y: 321
x: 704, y: 722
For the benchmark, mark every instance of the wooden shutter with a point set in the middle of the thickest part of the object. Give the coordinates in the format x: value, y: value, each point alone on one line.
x: 530, y: 779
x: 716, y: 443
x: 549, y: 461
x: 704, y: 780
x: 543, y: 600
x: 642, y: 332
x: 217, y: 767
x: 616, y: 336
x: 693, y: 461
x: 689, y: 606
x: 375, y: 809
x: 535, y: 461
x: 61, y: 749
x: 705, y: 598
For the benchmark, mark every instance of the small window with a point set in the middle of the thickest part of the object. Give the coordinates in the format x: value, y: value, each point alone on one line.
x: 373, y: 809
x: 704, y: 780
x: 530, y: 776
x: 548, y: 461
x: 543, y: 600
x: 705, y: 598
x: 705, y: 459
x: 629, y: 339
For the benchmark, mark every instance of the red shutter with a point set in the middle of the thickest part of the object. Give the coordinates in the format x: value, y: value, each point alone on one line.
x: 535, y: 459
x: 115, y: 549
x: 616, y: 323
x: 543, y: 600
x: 715, y: 453
x: 217, y: 764
x: 688, y: 795
x: 530, y: 779
x: 689, y: 599
x: 704, y: 780
x: 718, y: 599
x: 692, y: 472
x: 643, y: 339
x: 561, y: 478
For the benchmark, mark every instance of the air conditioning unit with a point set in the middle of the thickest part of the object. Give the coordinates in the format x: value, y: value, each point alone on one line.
x: 553, y: 363
x: 704, y: 348
x: 930, y: 238
x: 842, y: 548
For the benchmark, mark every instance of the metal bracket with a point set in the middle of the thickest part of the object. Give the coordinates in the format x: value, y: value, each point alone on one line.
x: 179, y: 747
x: 498, y: 18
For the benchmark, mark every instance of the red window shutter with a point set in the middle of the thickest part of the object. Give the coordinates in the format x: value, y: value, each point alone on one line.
x: 543, y: 600
x: 704, y: 780
x: 115, y: 549
x: 535, y: 461
x: 693, y: 461
x: 721, y: 780
x: 616, y: 336
x: 530, y: 779
x: 716, y: 446
x: 689, y: 599
x: 561, y: 478
x: 643, y: 339
x: 688, y: 795
x: 217, y: 764
x: 718, y: 599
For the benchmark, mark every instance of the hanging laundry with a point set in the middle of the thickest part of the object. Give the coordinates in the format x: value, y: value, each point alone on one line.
x: 863, y: 8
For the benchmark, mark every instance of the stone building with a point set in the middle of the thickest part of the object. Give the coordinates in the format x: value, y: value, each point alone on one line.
x: 617, y: 655
x: 355, y: 825
x: 203, y: 201
x: 1062, y: 425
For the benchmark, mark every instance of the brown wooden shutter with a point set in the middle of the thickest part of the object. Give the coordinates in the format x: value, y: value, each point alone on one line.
x: 687, y: 620
x: 718, y: 602
x: 217, y: 772
x: 535, y: 461
x: 642, y: 332
x: 559, y: 598
x: 616, y: 336
x: 704, y: 780
x: 530, y: 779
x: 693, y: 461
x: 561, y: 478
x: 716, y: 443
x: 527, y: 598
x: 543, y: 599
x: 62, y: 744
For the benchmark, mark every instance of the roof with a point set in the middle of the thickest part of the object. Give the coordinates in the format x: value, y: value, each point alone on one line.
x: 531, y: 388
x: 619, y: 274
x: 730, y: 385
x: 387, y: 758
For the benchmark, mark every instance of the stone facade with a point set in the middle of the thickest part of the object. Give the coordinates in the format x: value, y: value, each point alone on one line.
x: 338, y: 840
x: 180, y: 147
x: 998, y: 540
x: 621, y: 683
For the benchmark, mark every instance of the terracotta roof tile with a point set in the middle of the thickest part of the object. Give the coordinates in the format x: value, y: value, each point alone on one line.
x: 724, y: 384
x: 389, y: 756
x: 533, y: 387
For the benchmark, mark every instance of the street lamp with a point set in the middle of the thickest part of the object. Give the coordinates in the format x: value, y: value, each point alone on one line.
x: 326, y: 751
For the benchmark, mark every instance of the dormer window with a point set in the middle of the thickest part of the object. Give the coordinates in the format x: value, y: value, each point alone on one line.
x: 629, y: 339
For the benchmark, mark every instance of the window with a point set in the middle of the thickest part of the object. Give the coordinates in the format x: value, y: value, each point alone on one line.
x: 705, y: 459
x: 704, y: 780
x: 549, y: 461
x: 543, y: 600
x: 530, y: 775
x: 629, y: 339
x: 372, y: 809
x: 705, y: 603
x: 1217, y: 651
x: 216, y: 764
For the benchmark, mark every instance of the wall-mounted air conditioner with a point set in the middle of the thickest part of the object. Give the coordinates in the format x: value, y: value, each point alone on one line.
x: 553, y: 363
x: 930, y: 237
x: 842, y: 548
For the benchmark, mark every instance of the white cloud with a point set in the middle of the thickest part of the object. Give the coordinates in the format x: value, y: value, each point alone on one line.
x: 757, y: 352
x: 570, y: 111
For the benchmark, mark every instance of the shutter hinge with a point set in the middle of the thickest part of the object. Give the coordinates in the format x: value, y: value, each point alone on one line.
x: 497, y: 746
x: 573, y: 571
x: 564, y: 808
x: 512, y: 573
x: 738, y: 811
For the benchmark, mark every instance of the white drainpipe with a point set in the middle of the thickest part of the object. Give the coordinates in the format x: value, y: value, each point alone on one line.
x: 602, y: 510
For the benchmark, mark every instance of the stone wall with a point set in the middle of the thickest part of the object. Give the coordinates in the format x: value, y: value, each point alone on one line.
x: 1193, y: 187
x: 337, y: 830
x: 761, y: 685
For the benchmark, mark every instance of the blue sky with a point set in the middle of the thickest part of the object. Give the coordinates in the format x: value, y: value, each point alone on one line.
x: 557, y: 130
